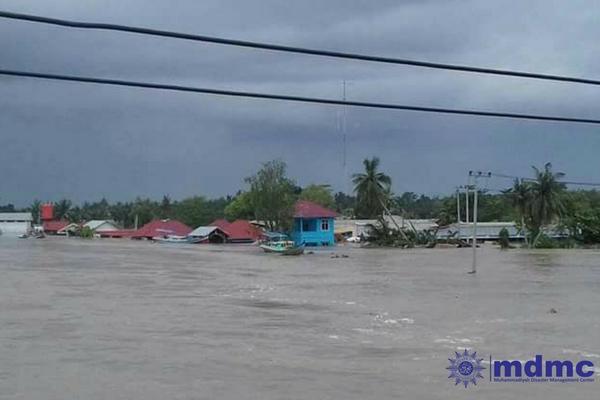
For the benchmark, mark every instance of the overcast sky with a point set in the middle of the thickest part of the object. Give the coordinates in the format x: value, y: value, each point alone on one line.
x: 86, y: 142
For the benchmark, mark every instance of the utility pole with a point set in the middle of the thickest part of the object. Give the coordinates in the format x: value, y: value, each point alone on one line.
x: 474, y: 239
x: 475, y: 206
x: 458, y: 205
x: 467, y: 198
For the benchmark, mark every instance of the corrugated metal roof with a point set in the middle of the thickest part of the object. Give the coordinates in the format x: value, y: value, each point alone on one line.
x: 97, y: 223
x: 203, y: 231
x: 16, y: 216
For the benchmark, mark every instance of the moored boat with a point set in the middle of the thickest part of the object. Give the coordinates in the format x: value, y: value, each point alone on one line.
x: 293, y: 251
x: 277, y: 247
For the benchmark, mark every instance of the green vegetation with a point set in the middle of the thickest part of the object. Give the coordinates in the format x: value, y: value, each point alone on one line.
x: 320, y: 194
x: 533, y: 203
x: 239, y: 208
x: 504, y: 238
x: 538, y: 203
x: 272, y: 195
x: 382, y: 234
x: 86, y: 232
x: 372, y: 188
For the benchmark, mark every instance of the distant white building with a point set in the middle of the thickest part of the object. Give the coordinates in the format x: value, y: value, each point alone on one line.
x: 362, y: 227
x: 491, y: 231
x: 101, y: 225
x: 485, y: 231
x: 15, y: 223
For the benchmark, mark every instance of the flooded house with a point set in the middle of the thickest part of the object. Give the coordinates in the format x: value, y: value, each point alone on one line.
x: 313, y: 224
x: 15, y: 223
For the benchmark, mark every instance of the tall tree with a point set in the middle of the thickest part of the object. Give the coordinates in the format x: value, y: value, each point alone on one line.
x: 34, y: 208
x: 165, y: 207
x: 547, y: 199
x: 62, y: 208
x: 240, y: 207
x: 520, y: 197
x: 320, y: 194
x: 372, y: 189
x: 272, y: 195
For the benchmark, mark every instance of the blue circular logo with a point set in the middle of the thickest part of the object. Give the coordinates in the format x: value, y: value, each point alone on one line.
x: 465, y: 368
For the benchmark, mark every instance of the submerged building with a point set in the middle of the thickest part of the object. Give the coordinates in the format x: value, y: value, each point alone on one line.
x: 15, y: 223
x: 313, y: 224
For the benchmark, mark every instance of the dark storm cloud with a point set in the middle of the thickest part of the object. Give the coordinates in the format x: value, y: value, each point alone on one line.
x: 86, y: 141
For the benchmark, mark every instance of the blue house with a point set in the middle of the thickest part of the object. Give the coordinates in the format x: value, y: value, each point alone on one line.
x: 313, y: 224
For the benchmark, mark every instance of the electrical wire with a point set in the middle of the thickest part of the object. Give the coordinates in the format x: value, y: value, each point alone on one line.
x: 292, y: 49
x: 313, y: 100
x: 575, y: 183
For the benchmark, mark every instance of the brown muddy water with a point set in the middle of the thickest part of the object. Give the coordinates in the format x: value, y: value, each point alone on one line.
x: 108, y: 319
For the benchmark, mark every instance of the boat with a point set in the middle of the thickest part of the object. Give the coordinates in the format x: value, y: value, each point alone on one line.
x: 293, y: 251
x: 23, y: 236
x: 277, y: 247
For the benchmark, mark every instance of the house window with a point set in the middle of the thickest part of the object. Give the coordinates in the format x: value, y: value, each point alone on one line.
x: 309, y: 225
x: 324, y: 224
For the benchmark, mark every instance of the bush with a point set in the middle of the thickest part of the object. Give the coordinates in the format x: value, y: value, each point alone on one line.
x: 86, y: 233
x: 503, y: 237
x: 545, y: 242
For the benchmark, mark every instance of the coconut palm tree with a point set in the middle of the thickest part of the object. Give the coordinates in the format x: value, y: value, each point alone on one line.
x: 62, y: 208
x: 547, y: 199
x: 35, y: 210
x: 372, y: 189
x: 520, y: 198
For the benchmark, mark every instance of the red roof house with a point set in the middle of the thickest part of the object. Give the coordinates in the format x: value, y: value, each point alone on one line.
x: 239, y: 231
x: 118, y: 234
x: 220, y: 223
x: 159, y: 228
x: 242, y: 231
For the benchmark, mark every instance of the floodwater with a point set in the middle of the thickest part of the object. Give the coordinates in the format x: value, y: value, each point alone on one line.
x: 110, y: 319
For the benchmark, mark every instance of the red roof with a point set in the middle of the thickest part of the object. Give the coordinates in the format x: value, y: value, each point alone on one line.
x: 243, y: 230
x: 54, y: 226
x: 308, y: 209
x: 239, y: 230
x: 221, y: 223
x: 162, y: 228
x: 121, y: 233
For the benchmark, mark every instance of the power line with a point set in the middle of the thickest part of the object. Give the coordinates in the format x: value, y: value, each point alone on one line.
x: 313, y: 100
x: 292, y: 49
x: 575, y: 183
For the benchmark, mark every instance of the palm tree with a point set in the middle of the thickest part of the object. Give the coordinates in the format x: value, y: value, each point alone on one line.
x: 520, y: 198
x: 35, y: 210
x: 62, y: 208
x: 547, y: 195
x: 372, y: 189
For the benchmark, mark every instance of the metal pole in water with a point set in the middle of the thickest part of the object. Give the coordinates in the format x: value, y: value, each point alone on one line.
x: 474, y: 240
x: 467, y: 198
x: 458, y: 205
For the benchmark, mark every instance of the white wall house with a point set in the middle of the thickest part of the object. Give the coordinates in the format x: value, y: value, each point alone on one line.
x: 97, y: 225
x: 358, y: 227
x: 15, y: 223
